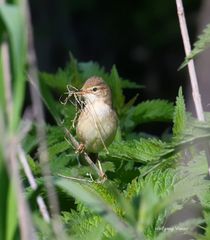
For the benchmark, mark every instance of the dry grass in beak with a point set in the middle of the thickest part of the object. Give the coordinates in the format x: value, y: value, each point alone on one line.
x: 74, y: 96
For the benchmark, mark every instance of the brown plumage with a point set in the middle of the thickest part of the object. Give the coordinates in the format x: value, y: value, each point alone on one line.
x: 97, y: 123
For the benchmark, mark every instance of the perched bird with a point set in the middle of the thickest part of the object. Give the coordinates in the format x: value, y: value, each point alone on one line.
x: 97, y: 122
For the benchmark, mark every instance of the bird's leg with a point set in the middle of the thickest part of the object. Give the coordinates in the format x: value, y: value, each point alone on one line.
x: 95, y: 159
x: 80, y: 150
x: 103, y: 175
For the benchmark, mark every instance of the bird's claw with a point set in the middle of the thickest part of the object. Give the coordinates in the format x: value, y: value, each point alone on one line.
x: 80, y: 149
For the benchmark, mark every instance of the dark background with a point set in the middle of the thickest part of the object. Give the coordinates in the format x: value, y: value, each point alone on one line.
x: 141, y: 37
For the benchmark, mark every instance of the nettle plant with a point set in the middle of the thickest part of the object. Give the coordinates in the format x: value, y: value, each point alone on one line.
x: 151, y: 181
x: 156, y: 187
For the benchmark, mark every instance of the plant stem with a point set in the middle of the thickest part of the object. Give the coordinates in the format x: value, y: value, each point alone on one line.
x: 26, y: 227
x: 10, y: 155
x: 41, y: 134
x: 191, y: 65
x: 33, y: 184
x: 87, y: 158
x: 192, y: 73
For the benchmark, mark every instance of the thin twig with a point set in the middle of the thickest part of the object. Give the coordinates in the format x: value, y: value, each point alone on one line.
x: 191, y: 66
x: 33, y: 184
x: 26, y: 226
x: 87, y: 158
x: 192, y: 73
x: 29, y: 175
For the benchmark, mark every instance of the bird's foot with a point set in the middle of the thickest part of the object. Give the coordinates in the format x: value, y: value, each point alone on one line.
x: 80, y: 149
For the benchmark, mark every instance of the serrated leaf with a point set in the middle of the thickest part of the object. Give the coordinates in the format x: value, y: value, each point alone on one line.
x: 57, y: 81
x: 34, y: 166
x: 82, y: 225
x: 151, y: 193
x: 200, y: 45
x: 129, y: 104
x: 179, y: 118
x: 89, y: 69
x: 142, y: 150
x: 192, y: 178
x: 93, y: 201
x: 127, y: 84
x: 55, y: 134
x: 75, y: 76
x: 149, y: 111
x: 59, y: 163
x: 58, y: 148
x: 116, y: 86
x: 161, y: 180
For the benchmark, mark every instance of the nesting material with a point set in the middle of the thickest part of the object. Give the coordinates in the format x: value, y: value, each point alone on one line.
x: 72, y: 95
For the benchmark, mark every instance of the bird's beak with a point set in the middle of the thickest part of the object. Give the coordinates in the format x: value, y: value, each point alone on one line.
x: 83, y: 92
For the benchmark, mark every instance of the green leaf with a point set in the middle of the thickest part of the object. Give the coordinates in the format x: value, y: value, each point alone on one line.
x: 152, y: 193
x: 82, y: 225
x: 93, y: 201
x: 96, y: 233
x: 4, y: 193
x: 57, y: 81
x: 12, y: 17
x: 43, y: 229
x: 161, y: 180
x: 89, y: 69
x: 127, y: 84
x: 129, y: 104
x: 50, y: 102
x: 179, y: 118
x: 149, y: 111
x: 2, y: 92
x: 12, y: 218
x: 200, y: 45
x: 192, y: 179
x: 117, y: 93
x: 58, y: 148
x: 142, y: 150
x: 76, y: 78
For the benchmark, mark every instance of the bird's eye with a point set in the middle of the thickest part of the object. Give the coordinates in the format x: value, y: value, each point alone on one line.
x: 95, y: 89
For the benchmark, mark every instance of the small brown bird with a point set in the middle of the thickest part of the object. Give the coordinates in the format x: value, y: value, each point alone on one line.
x: 97, y: 122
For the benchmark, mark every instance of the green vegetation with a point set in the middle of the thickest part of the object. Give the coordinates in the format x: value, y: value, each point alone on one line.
x: 150, y: 178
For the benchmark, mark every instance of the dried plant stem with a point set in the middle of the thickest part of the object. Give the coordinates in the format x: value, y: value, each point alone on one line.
x: 41, y: 134
x: 25, y: 224
x: 192, y: 72
x: 191, y: 66
x: 33, y: 184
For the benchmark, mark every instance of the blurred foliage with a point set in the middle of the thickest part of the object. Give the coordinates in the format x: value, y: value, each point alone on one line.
x: 13, y: 43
